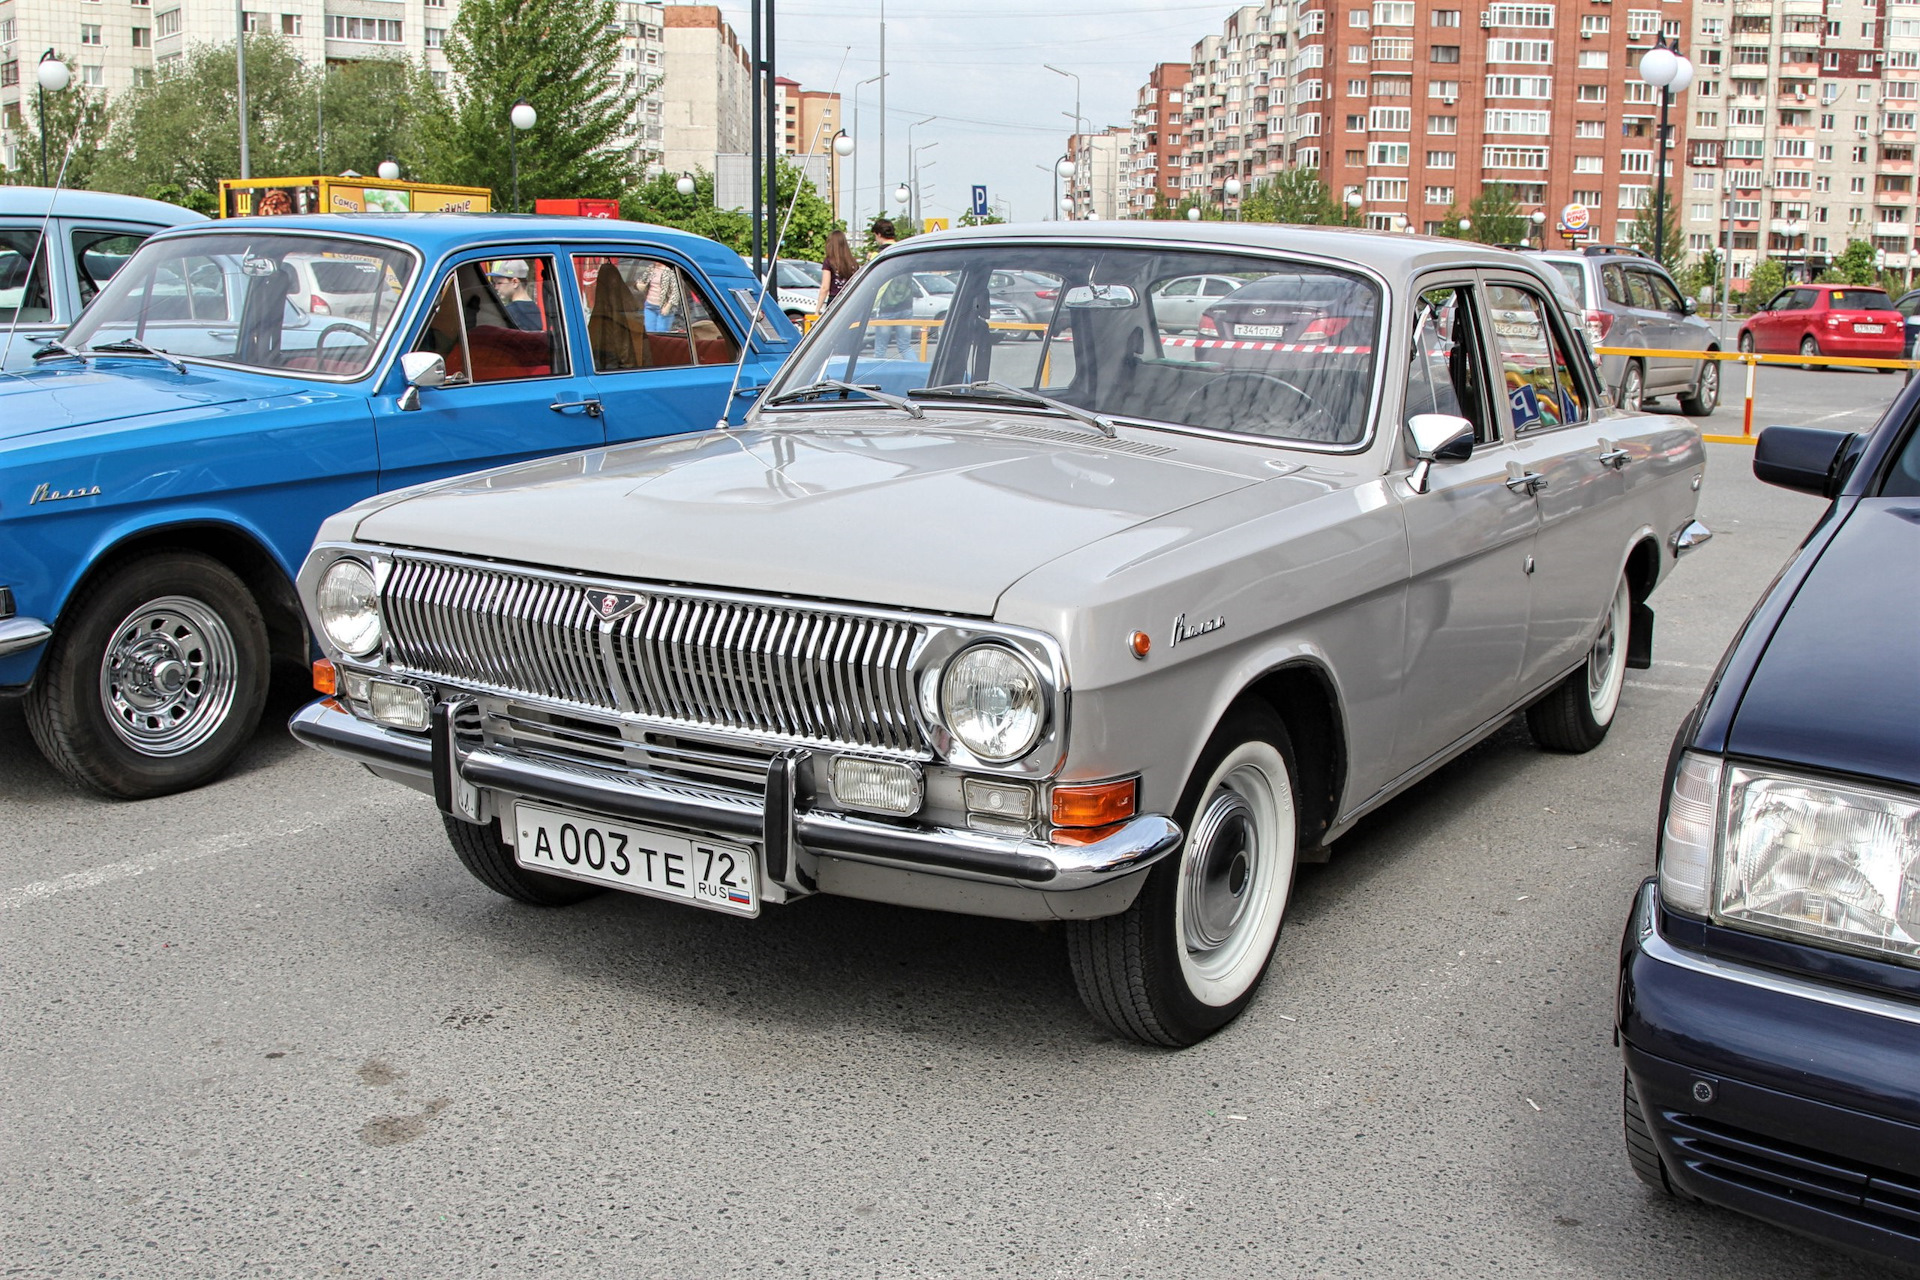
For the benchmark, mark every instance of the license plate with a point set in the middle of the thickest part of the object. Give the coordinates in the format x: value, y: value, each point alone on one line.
x: 1869, y: 328
x: 706, y: 873
x: 1259, y: 331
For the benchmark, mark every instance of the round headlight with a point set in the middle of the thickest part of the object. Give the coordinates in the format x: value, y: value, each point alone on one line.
x: 349, y: 607
x: 991, y: 699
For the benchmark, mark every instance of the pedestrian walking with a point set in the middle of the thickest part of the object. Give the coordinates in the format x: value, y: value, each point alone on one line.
x: 836, y: 267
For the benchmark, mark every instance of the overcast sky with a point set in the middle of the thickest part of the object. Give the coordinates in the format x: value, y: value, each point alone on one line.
x: 976, y: 65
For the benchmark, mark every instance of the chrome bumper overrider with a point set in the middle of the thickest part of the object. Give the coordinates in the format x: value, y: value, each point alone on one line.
x: 22, y: 633
x: 790, y: 835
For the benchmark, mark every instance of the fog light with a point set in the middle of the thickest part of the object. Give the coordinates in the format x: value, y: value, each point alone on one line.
x: 399, y: 705
x: 877, y: 786
x: 1010, y: 800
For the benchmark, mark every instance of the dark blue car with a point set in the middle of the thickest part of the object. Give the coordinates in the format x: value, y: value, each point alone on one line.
x: 164, y: 466
x: 1769, y: 1000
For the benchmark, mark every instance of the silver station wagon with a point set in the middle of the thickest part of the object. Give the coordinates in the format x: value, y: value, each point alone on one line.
x: 1115, y: 627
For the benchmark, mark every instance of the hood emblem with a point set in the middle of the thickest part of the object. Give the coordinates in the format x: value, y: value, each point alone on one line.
x: 1182, y: 632
x: 47, y: 493
x: 611, y: 605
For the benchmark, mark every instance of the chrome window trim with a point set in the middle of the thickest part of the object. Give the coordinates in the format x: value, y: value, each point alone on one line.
x: 1387, y: 310
x: 378, y: 360
x: 944, y: 636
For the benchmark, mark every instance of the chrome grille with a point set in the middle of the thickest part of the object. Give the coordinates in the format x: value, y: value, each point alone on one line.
x: 770, y: 669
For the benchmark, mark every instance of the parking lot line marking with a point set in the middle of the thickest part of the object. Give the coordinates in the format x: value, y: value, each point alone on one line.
x: 109, y: 873
x: 1662, y: 688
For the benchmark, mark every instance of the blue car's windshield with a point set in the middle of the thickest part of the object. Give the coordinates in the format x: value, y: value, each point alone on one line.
x: 249, y: 299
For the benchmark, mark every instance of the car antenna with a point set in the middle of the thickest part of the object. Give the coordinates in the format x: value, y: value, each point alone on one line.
x: 53, y: 197
x: 773, y: 267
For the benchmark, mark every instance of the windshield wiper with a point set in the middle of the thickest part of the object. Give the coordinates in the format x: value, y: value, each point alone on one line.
x: 814, y: 390
x: 1002, y: 391
x: 55, y: 347
x: 135, y: 347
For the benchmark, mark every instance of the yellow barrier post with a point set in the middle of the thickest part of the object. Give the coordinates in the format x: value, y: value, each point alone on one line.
x: 1746, y: 417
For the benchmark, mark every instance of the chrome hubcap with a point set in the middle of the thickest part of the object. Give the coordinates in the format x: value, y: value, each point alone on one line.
x: 1607, y: 661
x: 1710, y: 384
x: 1220, y: 871
x: 169, y: 676
x: 1600, y: 661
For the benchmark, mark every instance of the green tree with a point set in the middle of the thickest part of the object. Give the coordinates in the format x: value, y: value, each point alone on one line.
x: 76, y: 129
x: 1700, y: 273
x: 972, y: 219
x: 1450, y: 224
x: 1496, y: 218
x: 1768, y: 278
x: 1854, y: 264
x: 182, y: 132
x: 658, y: 200
x: 561, y: 56
x: 1297, y: 195
x: 1639, y: 234
x: 374, y: 110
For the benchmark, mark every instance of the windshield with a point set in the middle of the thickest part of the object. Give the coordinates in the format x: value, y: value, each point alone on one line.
x: 279, y: 302
x: 1292, y: 361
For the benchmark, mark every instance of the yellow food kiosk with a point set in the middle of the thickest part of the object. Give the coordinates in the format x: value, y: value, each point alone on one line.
x: 346, y: 193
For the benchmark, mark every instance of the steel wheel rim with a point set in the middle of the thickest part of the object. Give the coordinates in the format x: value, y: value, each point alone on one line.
x: 1236, y: 874
x: 169, y: 676
x: 1607, y: 660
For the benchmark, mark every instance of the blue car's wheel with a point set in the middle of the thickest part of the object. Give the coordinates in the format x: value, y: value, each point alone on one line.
x: 155, y: 679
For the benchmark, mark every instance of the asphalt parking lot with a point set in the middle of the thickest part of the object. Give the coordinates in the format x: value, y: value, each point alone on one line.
x: 272, y: 1028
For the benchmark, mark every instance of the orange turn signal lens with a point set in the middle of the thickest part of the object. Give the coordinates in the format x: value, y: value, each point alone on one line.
x: 325, y: 678
x: 1098, y: 805
x: 1139, y: 644
x: 1083, y: 835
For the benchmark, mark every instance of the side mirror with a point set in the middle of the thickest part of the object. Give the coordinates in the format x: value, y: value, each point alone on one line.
x: 421, y: 369
x: 1687, y: 306
x: 1437, y: 437
x: 1804, y: 458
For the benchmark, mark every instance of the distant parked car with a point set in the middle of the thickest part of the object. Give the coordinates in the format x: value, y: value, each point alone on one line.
x: 1909, y: 306
x: 1628, y: 300
x: 165, y: 465
x: 1178, y: 303
x: 1295, y: 308
x: 1769, y: 991
x: 797, y: 286
x: 1828, y: 320
x: 91, y: 237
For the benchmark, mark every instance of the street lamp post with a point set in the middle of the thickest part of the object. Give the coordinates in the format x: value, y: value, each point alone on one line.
x: 1466, y: 225
x: 53, y: 76
x: 1232, y: 193
x: 522, y: 117
x: 1539, y: 220
x: 1794, y: 229
x: 1062, y: 168
x: 1079, y: 121
x: 1353, y: 202
x: 1664, y: 68
x: 853, y: 203
x: 913, y: 176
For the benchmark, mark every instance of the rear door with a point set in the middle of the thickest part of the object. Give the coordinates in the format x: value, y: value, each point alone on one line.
x: 501, y: 320
x: 1675, y: 372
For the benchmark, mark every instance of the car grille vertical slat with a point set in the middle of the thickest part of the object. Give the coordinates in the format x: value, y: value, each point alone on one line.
x: 767, y: 668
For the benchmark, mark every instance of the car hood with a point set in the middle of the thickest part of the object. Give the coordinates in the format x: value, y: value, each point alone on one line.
x: 63, y: 393
x: 943, y: 515
x: 1837, y: 686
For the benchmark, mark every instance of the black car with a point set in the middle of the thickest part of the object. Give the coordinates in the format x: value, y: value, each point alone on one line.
x: 1309, y: 308
x: 1769, y: 997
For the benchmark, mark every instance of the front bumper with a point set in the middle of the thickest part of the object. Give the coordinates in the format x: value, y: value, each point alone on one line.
x: 20, y: 634
x: 1789, y: 1099
x: 794, y: 839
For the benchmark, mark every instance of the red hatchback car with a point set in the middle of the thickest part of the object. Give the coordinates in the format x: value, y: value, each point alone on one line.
x: 1828, y: 320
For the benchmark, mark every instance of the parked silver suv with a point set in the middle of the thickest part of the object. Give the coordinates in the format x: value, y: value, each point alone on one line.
x: 1628, y: 300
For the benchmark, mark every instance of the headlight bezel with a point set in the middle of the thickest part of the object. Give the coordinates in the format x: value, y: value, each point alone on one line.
x: 944, y: 643
x: 375, y: 640
x: 1729, y: 902
x: 997, y: 650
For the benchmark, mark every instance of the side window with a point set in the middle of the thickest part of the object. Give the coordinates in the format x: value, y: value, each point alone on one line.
x: 1665, y: 296
x: 643, y: 313
x: 1443, y: 369
x: 1614, y: 281
x: 1640, y: 291
x: 22, y: 300
x: 1781, y: 301
x: 97, y: 255
x: 1542, y: 389
x: 498, y: 321
x: 1220, y: 288
x: 1184, y: 288
x: 1803, y: 300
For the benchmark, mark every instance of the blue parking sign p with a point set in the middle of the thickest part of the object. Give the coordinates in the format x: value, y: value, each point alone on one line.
x: 979, y: 201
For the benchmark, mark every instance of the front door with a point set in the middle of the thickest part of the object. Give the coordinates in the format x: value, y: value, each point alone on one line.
x: 500, y: 323
x: 1469, y: 538
x: 1557, y: 440
x: 663, y: 354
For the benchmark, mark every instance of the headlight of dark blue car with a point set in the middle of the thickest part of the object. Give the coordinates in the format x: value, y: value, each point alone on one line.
x: 1823, y: 862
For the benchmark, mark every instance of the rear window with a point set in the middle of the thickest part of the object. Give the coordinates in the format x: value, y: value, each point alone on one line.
x: 1860, y: 300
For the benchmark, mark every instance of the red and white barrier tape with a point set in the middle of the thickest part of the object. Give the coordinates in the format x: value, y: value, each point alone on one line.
x: 1227, y: 344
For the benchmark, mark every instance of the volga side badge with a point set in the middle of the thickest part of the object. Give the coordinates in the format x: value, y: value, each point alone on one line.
x: 1182, y: 632
x: 47, y: 493
x: 612, y: 605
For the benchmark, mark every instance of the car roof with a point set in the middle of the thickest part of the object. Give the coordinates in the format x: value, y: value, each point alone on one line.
x: 1395, y: 255
x: 31, y: 202
x: 438, y: 234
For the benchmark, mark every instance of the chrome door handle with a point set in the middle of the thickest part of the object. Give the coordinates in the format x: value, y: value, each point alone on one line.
x: 1524, y: 481
x: 1612, y: 455
x: 592, y: 406
x: 753, y: 390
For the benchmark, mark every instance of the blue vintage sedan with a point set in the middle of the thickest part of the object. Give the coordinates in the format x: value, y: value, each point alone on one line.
x: 1769, y: 999
x: 164, y: 467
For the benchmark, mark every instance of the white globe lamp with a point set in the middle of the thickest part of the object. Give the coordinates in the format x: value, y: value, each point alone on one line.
x: 684, y: 185
x: 54, y: 75
x: 1193, y: 215
x: 1064, y: 168
x: 842, y: 144
x: 1659, y: 65
x: 523, y: 116
x: 389, y: 171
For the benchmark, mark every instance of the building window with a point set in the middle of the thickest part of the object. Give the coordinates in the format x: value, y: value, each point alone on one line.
x: 9, y: 73
x: 436, y: 37
x: 142, y: 37
x: 1590, y: 128
x: 1446, y: 17
x: 1530, y: 51
x: 289, y: 24
x: 1595, y: 24
x: 1521, y: 15
x: 1593, y: 59
x: 1446, y: 90
x: 1437, y: 125
x: 1390, y: 189
x: 1437, y: 195
x: 1359, y: 18
x: 90, y: 34
x: 1529, y: 87
x: 93, y: 76
x: 1532, y: 122
x: 371, y: 30
x: 167, y: 24
x: 1388, y: 153
x: 1445, y: 52
x: 1590, y: 93
x: 1514, y: 157
x: 1633, y: 197
x: 1636, y: 162
x: 1390, y: 119
x: 1591, y: 199
x: 1589, y: 164
x: 1440, y: 159
x: 1393, y: 13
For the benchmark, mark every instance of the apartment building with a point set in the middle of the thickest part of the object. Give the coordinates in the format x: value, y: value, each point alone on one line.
x: 113, y: 45
x: 707, y: 92
x: 1156, y: 148
x: 1098, y: 185
x: 809, y: 122
x: 1801, y: 133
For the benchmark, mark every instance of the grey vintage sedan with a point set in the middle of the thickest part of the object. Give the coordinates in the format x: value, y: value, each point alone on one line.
x: 1114, y: 628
